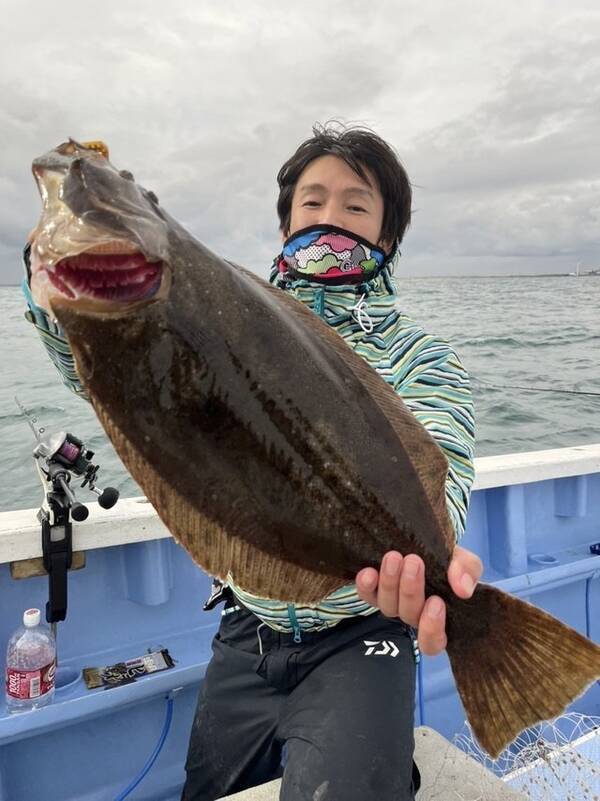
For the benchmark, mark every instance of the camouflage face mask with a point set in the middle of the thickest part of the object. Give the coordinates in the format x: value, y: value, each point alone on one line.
x: 330, y: 255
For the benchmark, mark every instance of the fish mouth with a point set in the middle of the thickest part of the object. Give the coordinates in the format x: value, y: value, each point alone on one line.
x: 101, y: 244
x: 106, y: 277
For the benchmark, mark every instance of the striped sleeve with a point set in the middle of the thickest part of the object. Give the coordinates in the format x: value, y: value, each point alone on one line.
x: 437, y: 390
x: 55, y: 343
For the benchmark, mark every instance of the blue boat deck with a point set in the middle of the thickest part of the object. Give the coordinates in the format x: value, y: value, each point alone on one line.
x: 533, y: 520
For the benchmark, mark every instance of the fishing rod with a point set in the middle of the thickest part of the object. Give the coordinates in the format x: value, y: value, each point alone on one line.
x: 534, y: 389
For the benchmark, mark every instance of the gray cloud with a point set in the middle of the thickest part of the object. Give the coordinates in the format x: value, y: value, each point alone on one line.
x: 520, y: 175
x: 494, y: 111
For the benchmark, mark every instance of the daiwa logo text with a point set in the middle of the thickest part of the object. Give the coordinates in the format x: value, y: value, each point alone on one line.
x: 387, y: 648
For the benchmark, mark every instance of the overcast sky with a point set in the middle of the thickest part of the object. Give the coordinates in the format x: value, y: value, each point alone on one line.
x: 493, y: 107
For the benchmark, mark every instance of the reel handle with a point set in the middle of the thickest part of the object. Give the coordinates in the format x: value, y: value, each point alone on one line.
x: 79, y: 512
x: 106, y: 497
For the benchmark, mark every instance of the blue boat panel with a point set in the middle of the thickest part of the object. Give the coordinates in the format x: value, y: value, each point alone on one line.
x: 95, y: 760
x: 115, y: 602
x: 534, y: 540
x: 561, y: 513
x: 89, y: 743
x: 571, y: 496
x: 506, y: 530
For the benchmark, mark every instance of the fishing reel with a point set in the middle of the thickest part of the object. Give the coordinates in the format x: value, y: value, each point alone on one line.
x: 61, y: 456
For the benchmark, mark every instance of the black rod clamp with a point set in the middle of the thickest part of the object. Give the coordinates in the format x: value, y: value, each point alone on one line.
x: 57, y: 554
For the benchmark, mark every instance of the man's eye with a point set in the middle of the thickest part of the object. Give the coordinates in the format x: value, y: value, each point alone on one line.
x: 356, y: 208
x: 312, y: 203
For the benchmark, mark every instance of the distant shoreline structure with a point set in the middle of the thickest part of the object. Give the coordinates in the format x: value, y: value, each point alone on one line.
x: 579, y: 272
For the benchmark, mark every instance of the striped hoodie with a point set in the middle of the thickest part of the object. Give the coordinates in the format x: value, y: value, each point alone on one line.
x: 429, y: 377
x: 425, y: 372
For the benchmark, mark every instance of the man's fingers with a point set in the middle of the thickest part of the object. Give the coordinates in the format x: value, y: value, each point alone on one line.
x: 464, y: 572
x: 432, y: 627
x: 389, y: 583
x: 412, y: 590
x: 398, y: 590
x: 366, y: 585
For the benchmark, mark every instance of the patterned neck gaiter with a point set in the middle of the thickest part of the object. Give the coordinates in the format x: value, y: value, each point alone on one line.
x: 330, y: 255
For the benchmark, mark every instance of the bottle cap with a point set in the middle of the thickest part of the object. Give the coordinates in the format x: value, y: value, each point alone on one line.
x: 31, y: 618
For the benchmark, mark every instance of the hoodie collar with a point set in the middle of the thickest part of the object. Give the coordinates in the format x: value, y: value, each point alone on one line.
x: 366, y: 304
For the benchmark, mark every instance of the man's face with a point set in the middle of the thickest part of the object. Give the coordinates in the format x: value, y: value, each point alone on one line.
x: 330, y: 192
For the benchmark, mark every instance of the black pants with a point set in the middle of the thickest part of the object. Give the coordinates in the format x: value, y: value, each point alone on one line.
x: 343, y: 709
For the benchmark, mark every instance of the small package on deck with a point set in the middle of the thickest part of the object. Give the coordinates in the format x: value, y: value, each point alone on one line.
x: 127, y: 672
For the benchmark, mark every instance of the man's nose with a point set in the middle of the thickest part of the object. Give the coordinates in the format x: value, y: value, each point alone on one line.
x: 332, y: 214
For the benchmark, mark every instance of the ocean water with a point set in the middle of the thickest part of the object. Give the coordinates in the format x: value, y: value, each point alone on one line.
x: 535, y: 333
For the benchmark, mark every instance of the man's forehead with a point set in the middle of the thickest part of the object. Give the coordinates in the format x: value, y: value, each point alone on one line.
x: 330, y: 165
x: 354, y: 189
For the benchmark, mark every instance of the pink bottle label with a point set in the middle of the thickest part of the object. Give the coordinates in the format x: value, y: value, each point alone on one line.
x: 30, y: 684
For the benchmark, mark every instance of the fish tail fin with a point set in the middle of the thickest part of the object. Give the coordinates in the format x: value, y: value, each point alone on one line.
x: 514, y: 664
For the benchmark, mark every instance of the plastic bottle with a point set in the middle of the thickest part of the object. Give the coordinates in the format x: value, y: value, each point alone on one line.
x: 30, y: 665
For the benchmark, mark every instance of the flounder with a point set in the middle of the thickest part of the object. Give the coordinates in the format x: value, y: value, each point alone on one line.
x: 266, y: 445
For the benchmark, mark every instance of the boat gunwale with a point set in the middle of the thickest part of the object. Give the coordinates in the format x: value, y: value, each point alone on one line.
x: 135, y: 520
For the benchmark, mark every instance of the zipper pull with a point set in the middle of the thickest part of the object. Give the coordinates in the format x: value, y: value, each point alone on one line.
x: 294, y: 622
x: 217, y: 595
x: 319, y: 304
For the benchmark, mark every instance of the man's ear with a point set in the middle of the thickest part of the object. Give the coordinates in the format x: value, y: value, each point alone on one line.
x: 386, y: 246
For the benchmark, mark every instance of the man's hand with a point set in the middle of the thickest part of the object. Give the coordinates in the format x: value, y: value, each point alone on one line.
x: 398, y: 590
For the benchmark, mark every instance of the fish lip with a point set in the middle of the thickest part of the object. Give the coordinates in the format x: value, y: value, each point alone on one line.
x: 70, y: 280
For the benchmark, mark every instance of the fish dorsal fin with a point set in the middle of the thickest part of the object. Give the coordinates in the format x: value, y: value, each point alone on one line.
x: 427, y: 458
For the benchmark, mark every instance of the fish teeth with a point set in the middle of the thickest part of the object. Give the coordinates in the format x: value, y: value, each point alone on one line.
x: 93, y: 279
x: 122, y: 281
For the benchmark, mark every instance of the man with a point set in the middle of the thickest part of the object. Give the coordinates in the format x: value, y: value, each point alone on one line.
x: 303, y: 682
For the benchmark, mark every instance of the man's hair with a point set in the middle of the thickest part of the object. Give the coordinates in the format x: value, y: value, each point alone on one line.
x: 359, y: 147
